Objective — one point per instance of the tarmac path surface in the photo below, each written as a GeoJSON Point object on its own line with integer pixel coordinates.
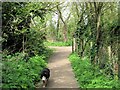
{"type": "Point", "coordinates": [62, 75]}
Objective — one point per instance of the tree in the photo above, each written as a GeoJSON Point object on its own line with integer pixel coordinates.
{"type": "Point", "coordinates": [97, 33]}
{"type": "Point", "coordinates": [17, 20]}
{"type": "Point", "coordinates": [64, 22]}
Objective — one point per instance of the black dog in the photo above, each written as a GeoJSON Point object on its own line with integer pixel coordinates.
{"type": "Point", "coordinates": [45, 74]}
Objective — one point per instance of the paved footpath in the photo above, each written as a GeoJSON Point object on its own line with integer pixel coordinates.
{"type": "Point", "coordinates": [62, 75]}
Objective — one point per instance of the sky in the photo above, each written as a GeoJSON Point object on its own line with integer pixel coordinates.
{"type": "Point", "coordinates": [65, 12]}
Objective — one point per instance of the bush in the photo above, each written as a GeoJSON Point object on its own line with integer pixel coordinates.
{"type": "Point", "coordinates": [17, 73]}
{"type": "Point", "coordinates": [89, 76]}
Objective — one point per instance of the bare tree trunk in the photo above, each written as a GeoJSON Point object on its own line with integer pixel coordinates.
{"type": "Point", "coordinates": [64, 23]}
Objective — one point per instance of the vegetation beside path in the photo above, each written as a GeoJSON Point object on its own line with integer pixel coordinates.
{"type": "Point", "coordinates": [19, 72]}
{"type": "Point", "coordinates": [58, 43]}
{"type": "Point", "coordinates": [89, 76]}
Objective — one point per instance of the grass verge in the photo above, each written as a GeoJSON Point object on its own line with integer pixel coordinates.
{"type": "Point", "coordinates": [58, 43]}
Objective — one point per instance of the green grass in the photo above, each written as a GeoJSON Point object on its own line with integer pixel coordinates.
{"type": "Point", "coordinates": [89, 76]}
{"type": "Point", "coordinates": [58, 43]}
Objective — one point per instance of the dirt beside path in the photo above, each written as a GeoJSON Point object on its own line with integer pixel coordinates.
{"type": "Point", "coordinates": [62, 75]}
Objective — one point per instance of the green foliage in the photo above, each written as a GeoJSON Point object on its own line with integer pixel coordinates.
{"type": "Point", "coordinates": [58, 43]}
{"type": "Point", "coordinates": [46, 53]}
{"type": "Point", "coordinates": [17, 19]}
{"type": "Point", "coordinates": [89, 76]}
{"type": "Point", "coordinates": [21, 25]}
{"type": "Point", "coordinates": [17, 73]}
{"type": "Point", "coordinates": [35, 39]}
{"type": "Point", "coordinates": [96, 34]}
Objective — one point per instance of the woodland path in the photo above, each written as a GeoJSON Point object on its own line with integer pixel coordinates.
{"type": "Point", "coordinates": [62, 75]}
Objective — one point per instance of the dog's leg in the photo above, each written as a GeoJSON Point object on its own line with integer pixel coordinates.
{"type": "Point", "coordinates": [44, 83]}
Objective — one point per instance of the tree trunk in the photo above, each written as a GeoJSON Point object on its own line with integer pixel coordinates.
{"type": "Point", "coordinates": [98, 8]}
{"type": "Point", "coordinates": [23, 44]}
{"type": "Point", "coordinates": [65, 32]}
{"type": "Point", "coordinates": [64, 24]}
{"type": "Point", "coordinates": [58, 24]}
{"type": "Point", "coordinates": [118, 43]}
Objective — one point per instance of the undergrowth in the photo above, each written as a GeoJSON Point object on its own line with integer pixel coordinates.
{"type": "Point", "coordinates": [89, 76]}
{"type": "Point", "coordinates": [18, 72]}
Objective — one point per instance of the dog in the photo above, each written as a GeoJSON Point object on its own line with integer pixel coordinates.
{"type": "Point", "coordinates": [45, 74]}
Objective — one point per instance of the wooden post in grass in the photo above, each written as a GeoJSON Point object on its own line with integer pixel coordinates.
{"type": "Point", "coordinates": [73, 43]}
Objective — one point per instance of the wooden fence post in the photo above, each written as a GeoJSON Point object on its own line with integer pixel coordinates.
{"type": "Point", "coordinates": [73, 43]}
